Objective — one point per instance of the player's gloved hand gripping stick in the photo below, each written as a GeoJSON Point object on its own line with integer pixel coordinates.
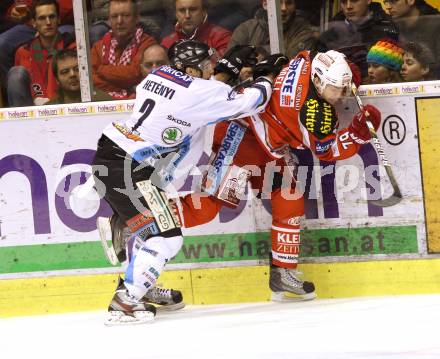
{"type": "Point", "coordinates": [396, 197]}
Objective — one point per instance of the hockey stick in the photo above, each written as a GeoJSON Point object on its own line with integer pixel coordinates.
{"type": "Point", "coordinates": [105, 234]}
{"type": "Point", "coordinates": [396, 197]}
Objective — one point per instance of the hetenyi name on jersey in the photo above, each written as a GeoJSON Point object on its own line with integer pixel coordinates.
{"type": "Point", "coordinates": [159, 89]}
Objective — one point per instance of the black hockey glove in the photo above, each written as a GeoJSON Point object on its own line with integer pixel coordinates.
{"type": "Point", "coordinates": [271, 65]}
{"type": "Point", "coordinates": [235, 59]}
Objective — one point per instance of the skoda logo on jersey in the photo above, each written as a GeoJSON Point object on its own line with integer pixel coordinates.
{"type": "Point", "coordinates": [171, 135]}
{"type": "Point", "coordinates": [179, 122]}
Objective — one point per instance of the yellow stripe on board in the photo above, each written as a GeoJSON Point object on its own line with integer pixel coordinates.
{"type": "Point", "coordinates": [20, 297]}
{"type": "Point", "coordinates": [428, 115]}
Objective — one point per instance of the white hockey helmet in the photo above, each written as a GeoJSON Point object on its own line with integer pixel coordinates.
{"type": "Point", "coordinates": [331, 68]}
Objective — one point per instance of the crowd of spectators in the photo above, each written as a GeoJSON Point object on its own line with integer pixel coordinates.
{"type": "Point", "coordinates": [391, 41]}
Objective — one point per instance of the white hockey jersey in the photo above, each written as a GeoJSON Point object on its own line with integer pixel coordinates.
{"type": "Point", "coordinates": [172, 106]}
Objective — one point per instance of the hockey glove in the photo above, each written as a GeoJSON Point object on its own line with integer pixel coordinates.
{"type": "Point", "coordinates": [235, 59]}
{"type": "Point", "coordinates": [271, 65]}
{"type": "Point", "coordinates": [358, 126]}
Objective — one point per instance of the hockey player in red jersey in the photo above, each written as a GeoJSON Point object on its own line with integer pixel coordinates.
{"type": "Point", "coordinates": [299, 115]}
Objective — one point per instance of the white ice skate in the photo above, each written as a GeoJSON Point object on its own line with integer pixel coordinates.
{"type": "Point", "coordinates": [287, 286]}
{"type": "Point", "coordinates": [165, 299]}
{"type": "Point", "coordinates": [124, 309]}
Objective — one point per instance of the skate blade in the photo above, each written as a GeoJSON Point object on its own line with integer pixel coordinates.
{"type": "Point", "coordinates": [285, 297]}
{"type": "Point", "coordinates": [120, 318]}
{"type": "Point", "coordinates": [105, 234]}
{"type": "Point", "coordinates": [170, 307]}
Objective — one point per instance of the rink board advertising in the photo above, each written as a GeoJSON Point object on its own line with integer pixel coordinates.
{"type": "Point", "coordinates": [48, 207]}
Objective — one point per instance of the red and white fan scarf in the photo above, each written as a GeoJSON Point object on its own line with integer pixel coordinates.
{"type": "Point", "coordinates": [109, 55]}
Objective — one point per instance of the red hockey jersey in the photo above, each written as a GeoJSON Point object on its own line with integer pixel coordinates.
{"type": "Point", "coordinates": [297, 117]}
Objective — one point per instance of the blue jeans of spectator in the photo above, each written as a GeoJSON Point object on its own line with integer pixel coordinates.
{"type": "Point", "coordinates": [19, 87]}
{"type": "Point", "coordinates": [9, 42]}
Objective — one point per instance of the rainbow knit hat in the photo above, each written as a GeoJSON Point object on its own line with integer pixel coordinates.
{"type": "Point", "coordinates": [386, 52]}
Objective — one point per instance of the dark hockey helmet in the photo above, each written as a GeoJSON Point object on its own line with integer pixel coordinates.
{"type": "Point", "coordinates": [189, 53]}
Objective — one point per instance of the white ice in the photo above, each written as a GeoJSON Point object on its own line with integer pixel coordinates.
{"type": "Point", "coordinates": [401, 327]}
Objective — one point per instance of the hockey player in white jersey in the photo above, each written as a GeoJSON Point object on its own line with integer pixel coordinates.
{"type": "Point", "coordinates": [136, 160]}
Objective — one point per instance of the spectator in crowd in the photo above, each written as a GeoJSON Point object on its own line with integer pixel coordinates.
{"type": "Point", "coordinates": [31, 80]}
{"type": "Point", "coordinates": [384, 60]}
{"type": "Point", "coordinates": [352, 31]}
{"type": "Point", "coordinates": [152, 58]}
{"type": "Point", "coordinates": [151, 17]}
{"type": "Point", "coordinates": [298, 33]}
{"type": "Point", "coordinates": [116, 57]}
{"type": "Point", "coordinates": [192, 24]}
{"type": "Point", "coordinates": [66, 71]}
{"type": "Point", "coordinates": [418, 22]}
{"type": "Point", "coordinates": [21, 30]}
{"type": "Point", "coordinates": [418, 62]}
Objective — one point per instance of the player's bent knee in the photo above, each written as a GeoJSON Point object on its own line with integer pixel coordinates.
{"type": "Point", "coordinates": [165, 247]}
{"type": "Point", "coordinates": [198, 209]}
{"type": "Point", "coordinates": [174, 245]}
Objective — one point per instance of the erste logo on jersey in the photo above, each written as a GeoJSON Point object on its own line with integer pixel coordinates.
{"type": "Point", "coordinates": [290, 95]}
{"type": "Point", "coordinates": [171, 135]}
{"type": "Point", "coordinates": [174, 75]}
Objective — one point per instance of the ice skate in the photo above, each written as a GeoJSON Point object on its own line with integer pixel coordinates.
{"type": "Point", "coordinates": [282, 281]}
{"type": "Point", "coordinates": [124, 309]}
{"type": "Point", "coordinates": [112, 229]}
{"type": "Point", "coordinates": [165, 299]}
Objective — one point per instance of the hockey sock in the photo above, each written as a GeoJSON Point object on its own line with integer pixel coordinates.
{"type": "Point", "coordinates": [148, 262]}
{"type": "Point", "coordinates": [285, 245]}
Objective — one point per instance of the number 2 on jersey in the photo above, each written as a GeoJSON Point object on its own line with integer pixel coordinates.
{"type": "Point", "coordinates": [145, 109]}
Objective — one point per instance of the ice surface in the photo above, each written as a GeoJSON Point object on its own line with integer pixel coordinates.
{"type": "Point", "coordinates": [401, 327]}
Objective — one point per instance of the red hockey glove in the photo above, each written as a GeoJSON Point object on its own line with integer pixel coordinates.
{"type": "Point", "coordinates": [358, 126]}
{"type": "Point", "coordinates": [357, 77]}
